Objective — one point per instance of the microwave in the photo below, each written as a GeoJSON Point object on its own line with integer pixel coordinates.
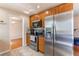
{"type": "Point", "coordinates": [37, 24]}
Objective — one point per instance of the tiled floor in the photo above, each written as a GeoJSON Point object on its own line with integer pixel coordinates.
{"type": "Point", "coordinates": [23, 51]}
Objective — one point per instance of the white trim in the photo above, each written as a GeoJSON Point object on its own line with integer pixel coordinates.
{"type": "Point", "coordinates": [73, 30]}
{"type": "Point", "coordinates": [23, 33]}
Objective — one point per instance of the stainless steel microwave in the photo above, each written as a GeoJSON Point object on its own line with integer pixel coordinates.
{"type": "Point", "coordinates": [37, 24]}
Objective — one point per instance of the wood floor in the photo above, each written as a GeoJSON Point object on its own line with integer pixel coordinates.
{"type": "Point", "coordinates": [15, 43]}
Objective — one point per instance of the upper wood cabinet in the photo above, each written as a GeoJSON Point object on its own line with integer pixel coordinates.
{"type": "Point", "coordinates": [55, 10]}
{"type": "Point", "coordinates": [63, 8]}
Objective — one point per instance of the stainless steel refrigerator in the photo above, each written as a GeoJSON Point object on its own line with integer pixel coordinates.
{"type": "Point", "coordinates": [59, 34]}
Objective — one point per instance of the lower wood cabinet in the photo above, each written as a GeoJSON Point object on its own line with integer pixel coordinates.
{"type": "Point", "coordinates": [27, 39]}
{"type": "Point", "coordinates": [41, 44]}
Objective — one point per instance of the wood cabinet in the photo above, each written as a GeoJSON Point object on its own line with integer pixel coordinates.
{"type": "Point", "coordinates": [16, 43]}
{"type": "Point", "coordinates": [27, 39]}
{"type": "Point", "coordinates": [52, 11]}
{"type": "Point", "coordinates": [41, 44]}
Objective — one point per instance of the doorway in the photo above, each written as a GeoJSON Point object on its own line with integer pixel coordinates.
{"type": "Point", "coordinates": [16, 30]}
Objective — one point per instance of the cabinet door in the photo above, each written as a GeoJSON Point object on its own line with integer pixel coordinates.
{"type": "Point", "coordinates": [27, 39]}
{"type": "Point", "coordinates": [41, 44]}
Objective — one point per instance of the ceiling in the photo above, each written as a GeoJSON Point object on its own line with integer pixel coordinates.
{"type": "Point", "coordinates": [28, 8]}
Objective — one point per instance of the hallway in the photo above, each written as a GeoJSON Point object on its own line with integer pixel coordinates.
{"type": "Point", "coordinates": [23, 51]}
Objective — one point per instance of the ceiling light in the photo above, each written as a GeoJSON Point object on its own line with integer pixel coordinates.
{"type": "Point", "coordinates": [38, 6]}
{"type": "Point", "coordinates": [14, 18]}
{"type": "Point", "coordinates": [47, 12]}
{"type": "Point", "coordinates": [13, 22]}
{"type": "Point", "coordinates": [27, 12]}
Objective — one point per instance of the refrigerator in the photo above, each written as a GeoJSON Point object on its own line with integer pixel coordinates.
{"type": "Point", "coordinates": [59, 34]}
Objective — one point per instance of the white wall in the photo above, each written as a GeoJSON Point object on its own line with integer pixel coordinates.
{"type": "Point", "coordinates": [15, 29]}
{"type": "Point", "coordinates": [76, 19]}
{"type": "Point", "coordinates": [4, 31]}
{"type": "Point", "coordinates": [76, 25]}
{"type": "Point", "coordinates": [10, 31]}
